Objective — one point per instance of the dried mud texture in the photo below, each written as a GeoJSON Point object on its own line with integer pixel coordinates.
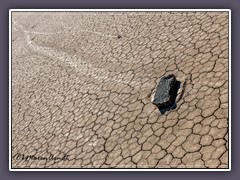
{"type": "Point", "coordinates": [82, 86]}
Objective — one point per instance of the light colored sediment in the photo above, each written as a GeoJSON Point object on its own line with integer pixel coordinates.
{"type": "Point", "coordinates": [78, 89]}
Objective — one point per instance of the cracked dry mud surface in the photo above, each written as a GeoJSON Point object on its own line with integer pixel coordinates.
{"type": "Point", "coordinates": [82, 86]}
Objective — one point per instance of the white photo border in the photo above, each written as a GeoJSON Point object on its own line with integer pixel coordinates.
{"type": "Point", "coordinates": [119, 10]}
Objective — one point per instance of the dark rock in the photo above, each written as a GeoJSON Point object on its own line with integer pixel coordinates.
{"type": "Point", "coordinates": [119, 36]}
{"type": "Point", "coordinates": [166, 92]}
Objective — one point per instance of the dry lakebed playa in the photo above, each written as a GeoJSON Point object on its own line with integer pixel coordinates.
{"type": "Point", "coordinates": [120, 90]}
